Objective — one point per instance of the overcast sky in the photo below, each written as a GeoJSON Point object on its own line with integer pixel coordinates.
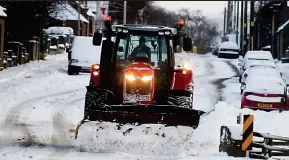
{"type": "Point", "coordinates": [207, 7]}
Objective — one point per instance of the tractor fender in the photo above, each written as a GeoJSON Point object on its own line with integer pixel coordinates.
{"type": "Point", "coordinates": [95, 75]}
{"type": "Point", "coordinates": [182, 78]}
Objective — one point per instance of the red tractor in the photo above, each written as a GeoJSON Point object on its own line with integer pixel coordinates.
{"type": "Point", "coordinates": [137, 81]}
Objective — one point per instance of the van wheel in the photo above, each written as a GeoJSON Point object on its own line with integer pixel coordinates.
{"type": "Point", "coordinates": [70, 71]}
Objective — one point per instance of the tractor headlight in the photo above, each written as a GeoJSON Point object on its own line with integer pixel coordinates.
{"type": "Point", "coordinates": [147, 78]}
{"type": "Point", "coordinates": [130, 77]}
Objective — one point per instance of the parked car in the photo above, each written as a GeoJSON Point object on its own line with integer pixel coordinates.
{"type": "Point", "coordinates": [263, 93]}
{"type": "Point", "coordinates": [258, 71]}
{"type": "Point", "coordinates": [230, 49]}
{"type": "Point", "coordinates": [215, 49]}
{"type": "Point", "coordinates": [252, 56]}
{"type": "Point", "coordinates": [83, 55]}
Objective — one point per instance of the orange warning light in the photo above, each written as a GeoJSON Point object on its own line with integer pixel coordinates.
{"type": "Point", "coordinates": [107, 18]}
{"type": "Point", "coordinates": [181, 22]}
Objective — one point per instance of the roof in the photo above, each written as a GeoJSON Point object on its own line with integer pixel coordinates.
{"type": "Point", "coordinates": [66, 12]}
{"type": "Point", "coordinates": [2, 12]}
{"type": "Point", "coordinates": [263, 84]}
{"type": "Point", "coordinates": [151, 28]}
{"type": "Point", "coordinates": [258, 54]}
{"type": "Point", "coordinates": [228, 44]}
{"type": "Point", "coordinates": [59, 31]}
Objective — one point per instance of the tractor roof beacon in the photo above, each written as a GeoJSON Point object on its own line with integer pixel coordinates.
{"type": "Point", "coordinates": [141, 89]}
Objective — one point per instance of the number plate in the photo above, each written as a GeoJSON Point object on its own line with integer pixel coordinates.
{"type": "Point", "coordinates": [133, 97]}
{"type": "Point", "coordinates": [264, 105]}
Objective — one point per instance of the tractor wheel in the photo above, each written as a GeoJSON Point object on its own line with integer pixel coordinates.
{"type": "Point", "coordinates": [95, 99]}
{"type": "Point", "coordinates": [182, 99]}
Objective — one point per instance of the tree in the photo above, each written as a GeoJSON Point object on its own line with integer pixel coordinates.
{"type": "Point", "coordinates": [25, 19]}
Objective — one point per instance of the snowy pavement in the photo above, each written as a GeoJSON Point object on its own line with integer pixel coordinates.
{"type": "Point", "coordinates": [41, 106]}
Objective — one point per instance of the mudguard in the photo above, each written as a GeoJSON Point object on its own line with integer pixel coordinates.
{"type": "Point", "coordinates": [182, 78]}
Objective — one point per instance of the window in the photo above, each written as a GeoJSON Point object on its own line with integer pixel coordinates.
{"type": "Point", "coordinates": [151, 49]}
{"type": "Point", "coordinates": [164, 50]}
{"type": "Point", "coordinates": [121, 49]}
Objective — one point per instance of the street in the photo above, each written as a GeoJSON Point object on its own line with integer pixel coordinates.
{"type": "Point", "coordinates": [42, 106]}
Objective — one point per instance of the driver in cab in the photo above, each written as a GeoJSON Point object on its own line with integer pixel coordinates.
{"type": "Point", "coordinates": [142, 48]}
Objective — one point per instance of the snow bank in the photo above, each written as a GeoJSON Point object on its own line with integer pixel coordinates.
{"type": "Point", "coordinates": [262, 119]}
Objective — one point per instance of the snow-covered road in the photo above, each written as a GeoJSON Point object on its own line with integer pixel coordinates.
{"type": "Point", "coordinates": [41, 105]}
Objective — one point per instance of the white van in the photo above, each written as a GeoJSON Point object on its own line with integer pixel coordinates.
{"type": "Point", "coordinates": [83, 55]}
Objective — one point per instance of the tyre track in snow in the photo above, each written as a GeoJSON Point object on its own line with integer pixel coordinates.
{"type": "Point", "coordinates": [14, 114]}
{"type": "Point", "coordinates": [211, 80]}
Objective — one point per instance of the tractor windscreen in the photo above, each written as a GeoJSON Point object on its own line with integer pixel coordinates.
{"type": "Point", "coordinates": [155, 47]}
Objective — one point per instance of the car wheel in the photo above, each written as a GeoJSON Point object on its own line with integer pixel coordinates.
{"type": "Point", "coordinates": [242, 91]}
{"type": "Point", "coordinates": [240, 78]}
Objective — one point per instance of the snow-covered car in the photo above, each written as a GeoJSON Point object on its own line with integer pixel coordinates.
{"type": "Point", "coordinates": [258, 71]}
{"type": "Point", "coordinates": [253, 56]}
{"type": "Point", "coordinates": [83, 55]}
{"type": "Point", "coordinates": [215, 49]}
{"type": "Point", "coordinates": [263, 93]}
{"type": "Point", "coordinates": [230, 49]}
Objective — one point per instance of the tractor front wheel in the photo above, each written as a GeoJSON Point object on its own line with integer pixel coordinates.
{"type": "Point", "coordinates": [95, 99]}
{"type": "Point", "coordinates": [181, 98]}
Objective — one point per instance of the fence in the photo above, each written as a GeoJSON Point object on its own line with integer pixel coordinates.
{"type": "Point", "coordinates": [260, 145]}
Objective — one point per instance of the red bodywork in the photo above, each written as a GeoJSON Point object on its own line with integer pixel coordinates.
{"type": "Point", "coordinates": [182, 78]}
{"type": "Point", "coordinates": [254, 104]}
{"type": "Point", "coordinates": [94, 75]}
{"type": "Point", "coordinates": [143, 74]}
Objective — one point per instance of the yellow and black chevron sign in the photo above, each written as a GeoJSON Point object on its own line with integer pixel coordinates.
{"type": "Point", "coordinates": [247, 132]}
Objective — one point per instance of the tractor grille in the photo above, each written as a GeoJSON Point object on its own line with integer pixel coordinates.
{"type": "Point", "coordinates": [138, 87]}
{"type": "Point", "coordinates": [137, 91]}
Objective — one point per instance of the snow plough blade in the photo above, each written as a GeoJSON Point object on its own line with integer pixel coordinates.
{"type": "Point", "coordinates": [168, 115]}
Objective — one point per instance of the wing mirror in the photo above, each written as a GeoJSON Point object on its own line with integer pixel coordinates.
{"type": "Point", "coordinates": [97, 38]}
{"type": "Point", "coordinates": [243, 86]}
{"type": "Point", "coordinates": [187, 44]}
{"type": "Point", "coordinates": [120, 49]}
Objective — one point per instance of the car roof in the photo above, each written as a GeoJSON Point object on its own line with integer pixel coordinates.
{"type": "Point", "coordinates": [263, 71]}
{"type": "Point", "coordinates": [255, 63]}
{"type": "Point", "coordinates": [261, 84]}
{"type": "Point", "coordinates": [229, 44]}
{"type": "Point", "coordinates": [258, 54]}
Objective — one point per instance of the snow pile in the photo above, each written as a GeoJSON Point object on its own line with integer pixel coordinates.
{"type": "Point", "coordinates": [149, 139]}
